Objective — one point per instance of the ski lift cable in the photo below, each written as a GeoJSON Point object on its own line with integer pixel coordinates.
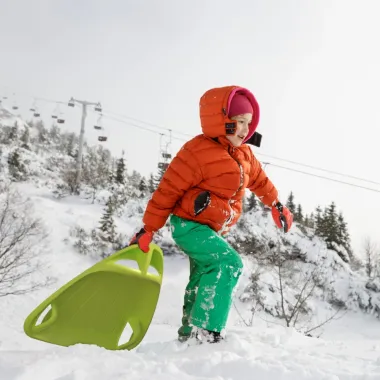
{"type": "Point", "coordinates": [318, 168]}
{"type": "Point", "coordinates": [323, 177]}
{"type": "Point", "coordinates": [147, 123]}
{"type": "Point", "coordinates": [131, 124]}
{"type": "Point", "coordinates": [51, 100]}
{"type": "Point", "coordinates": [144, 128]}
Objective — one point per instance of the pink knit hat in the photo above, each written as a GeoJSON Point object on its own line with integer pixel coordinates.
{"type": "Point", "coordinates": [240, 104]}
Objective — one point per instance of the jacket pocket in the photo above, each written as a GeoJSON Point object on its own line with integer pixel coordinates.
{"type": "Point", "coordinates": [201, 202]}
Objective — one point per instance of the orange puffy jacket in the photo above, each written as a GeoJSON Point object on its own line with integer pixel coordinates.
{"type": "Point", "coordinates": [205, 181]}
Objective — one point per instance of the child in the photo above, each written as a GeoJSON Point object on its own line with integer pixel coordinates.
{"type": "Point", "coordinates": [202, 189]}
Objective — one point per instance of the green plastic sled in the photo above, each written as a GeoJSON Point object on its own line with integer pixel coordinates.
{"type": "Point", "coordinates": [96, 306]}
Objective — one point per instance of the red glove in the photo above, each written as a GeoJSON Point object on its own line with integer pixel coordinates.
{"type": "Point", "coordinates": [282, 216]}
{"type": "Point", "coordinates": [142, 238]}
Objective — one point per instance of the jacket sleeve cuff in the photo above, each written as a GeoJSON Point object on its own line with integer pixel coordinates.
{"type": "Point", "coordinates": [149, 229]}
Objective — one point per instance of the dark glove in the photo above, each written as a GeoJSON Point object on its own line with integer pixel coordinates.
{"type": "Point", "coordinates": [143, 239]}
{"type": "Point", "coordinates": [282, 216]}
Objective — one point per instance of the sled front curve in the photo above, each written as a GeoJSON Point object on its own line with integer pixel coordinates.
{"type": "Point", "coordinates": [96, 306]}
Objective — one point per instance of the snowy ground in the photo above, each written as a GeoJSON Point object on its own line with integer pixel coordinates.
{"type": "Point", "coordinates": [348, 349]}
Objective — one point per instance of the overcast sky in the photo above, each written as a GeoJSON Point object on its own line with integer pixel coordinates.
{"type": "Point", "coordinates": [313, 66]}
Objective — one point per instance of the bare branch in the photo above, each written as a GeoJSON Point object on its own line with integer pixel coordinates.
{"type": "Point", "coordinates": [372, 257]}
{"type": "Point", "coordinates": [21, 238]}
{"type": "Point", "coordinates": [333, 316]}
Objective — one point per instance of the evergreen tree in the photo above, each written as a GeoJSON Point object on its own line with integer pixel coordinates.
{"type": "Point", "coordinates": [135, 179]}
{"type": "Point", "coordinates": [25, 139]}
{"type": "Point", "coordinates": [298, 215]}
{"type": "Point", "coordinates": [107, 223]}
{"type": "Point", "coordinates": [120, 170]}
{"type": "Point", "coordinates": [290, 203]}
{"type": "Point", "coordinates": [112, 172]}
{"type": "Point", "coordinates": [42, 132]}
{"type": "Point", "coordinates": [330, 226]}
{"type": "Point", "coordinates": [70, 148]}
{"type": "Point", "coordinates": [306, 221]}
{"type": "Point", "coordinates": [143, 187]}
{"type": "Point", "coordinates": [311, 221]}
{"type": "Point", "coordinates": [318, 221]}
{"type": "Point", "coordinates": [151, 184]}
{"type": "Point", "coordinates": [343, 234]}
{"type": "Point", "coordinates": [54, 134]}
{"type": "Point", "coordinates": [160, 174]}
{"type": "Point", "coordinates": [13, 133]}
{"type": "Point", "coordinates": [95, 169]}
{"type": "Point", "coordinates": [15, 166]}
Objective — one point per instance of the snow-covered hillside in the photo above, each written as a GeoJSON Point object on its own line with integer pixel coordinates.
{"type": "Point", "coordinates": [315, 282]}
{"type": "Point", "coordinates": [8, 118]}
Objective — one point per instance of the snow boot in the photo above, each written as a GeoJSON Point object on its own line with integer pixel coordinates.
{"type": "Point", "coordinates": [207, 336]}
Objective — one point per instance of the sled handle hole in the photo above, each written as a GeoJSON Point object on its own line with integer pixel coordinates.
{"type": "Point", "coordinates": [126, 335]}
{"type": "Point", "coordinates": [46, 313]}
{"type": "Point", "coordinates": [132, 264]}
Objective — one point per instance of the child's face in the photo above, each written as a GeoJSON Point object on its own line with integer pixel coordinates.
{"type": "Point", "coordinates": [243, 122]}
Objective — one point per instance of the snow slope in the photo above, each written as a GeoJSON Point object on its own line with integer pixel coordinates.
{"type": "Point", "coordinates": [349, 348]}
{"type": "Point", "coordinates": [8, 118]}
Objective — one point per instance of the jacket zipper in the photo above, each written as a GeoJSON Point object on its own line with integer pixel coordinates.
{"type": "Point", "coordinates": [225, 224]}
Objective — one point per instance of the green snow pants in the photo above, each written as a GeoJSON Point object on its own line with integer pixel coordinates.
{"type": "Point", "coordinates": [215, 268]}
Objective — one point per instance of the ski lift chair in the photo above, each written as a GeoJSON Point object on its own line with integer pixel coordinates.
{"type": "Point", "coordinates": [102, 138]}
{"type": "Point", "coordinates": [99, 123]}
{"type": "Point", "coordinates": [166, 155]}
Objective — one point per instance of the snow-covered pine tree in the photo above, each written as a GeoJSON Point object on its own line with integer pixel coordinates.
{"type": "Point", "coordinates": [96, 168]}
{"type": "Point", "coordinates": [134, 181]}
{"type": "Point", "coordinates": [120, 170]}
{"type": "Point", "coordinates": [25, 139]}
{"type": "Point", "coordinates": [143, 187]}
{"type": "Point", "coordinates": [331, 230]}
{"type": "Point", "coordinates": [70, 147]}
{"type": "Point", "coordinates": [13, 132]}
{"type": "Point", "coordinates": [298, 215]}
{"type": "Point", "coordinates": [54, 134]}
{"type": "Point", "coordinates": [107, 224]}
{"type": "Point", "coordinates": [311, 223]}
{"type": "Point", "coordinates": [318, 221]}
{"type": "Point", "coordinates": [344, 238]}
{"type": "Point", "coordinates": [158, 177]}
{"type": "Point", "coordinates": [16, 167]}
{"type": "Point", "coordinates": [42, 136]}
{"type": "Point", "coordinates": [151, 183]}
{"type": "Point", "coordinates": [290, 203]}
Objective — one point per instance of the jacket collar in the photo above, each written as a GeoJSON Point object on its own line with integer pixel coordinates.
{"type": "Point", "coordinates": [223, 140]}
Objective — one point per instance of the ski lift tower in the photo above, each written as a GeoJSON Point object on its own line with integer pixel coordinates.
{"type": "Point", "coordinates": [84, 105]}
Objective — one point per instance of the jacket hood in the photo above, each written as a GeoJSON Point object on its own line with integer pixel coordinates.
{"type": "Point", "coordinates": [214, 105]}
